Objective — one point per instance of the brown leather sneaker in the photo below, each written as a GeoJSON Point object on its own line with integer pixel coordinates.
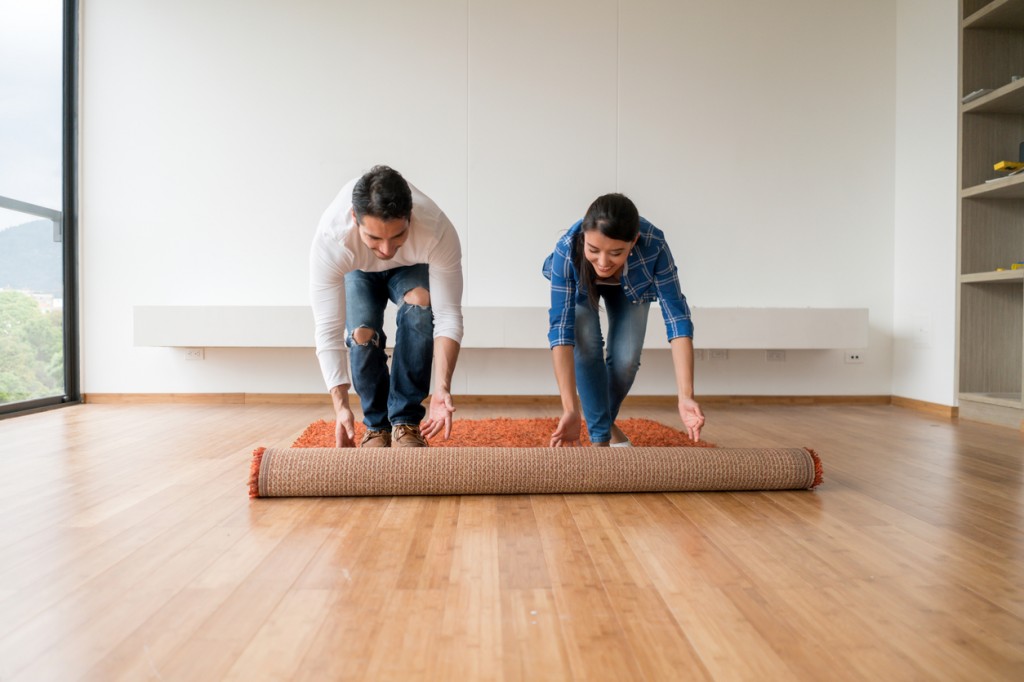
{"type": "Point", "coordinates": [409, 436]}
{"type": "Point", "coordinates": [375, 439]}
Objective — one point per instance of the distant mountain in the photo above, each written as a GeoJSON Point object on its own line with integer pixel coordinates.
{"type": "Point", "coordinates": [30, 259]}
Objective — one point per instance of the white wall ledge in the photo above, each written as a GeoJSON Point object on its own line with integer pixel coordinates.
{"type": "Point", "coordinates": [501, 327]}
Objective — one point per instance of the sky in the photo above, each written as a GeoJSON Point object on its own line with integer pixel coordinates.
{"type": "Point", "coordinates": [30, 105]}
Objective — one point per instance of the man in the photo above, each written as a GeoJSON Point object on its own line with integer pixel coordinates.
{"type": "Point", "coordinates": [383, 239]}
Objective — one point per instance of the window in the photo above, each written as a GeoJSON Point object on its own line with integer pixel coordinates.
{"type": "Point", "coordinates": [38, 314]}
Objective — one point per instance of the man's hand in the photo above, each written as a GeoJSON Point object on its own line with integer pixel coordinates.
{"type": "Point", "coordinates": [568, 430]}
{"type": "Point", "coordinates": [693, 418]}
{"type": "Point", "coordinates": [344, 428]}
{"type": "Point", "coordinates": [439, 416]}
{"type": "Point", "coordinates": [344, 421]}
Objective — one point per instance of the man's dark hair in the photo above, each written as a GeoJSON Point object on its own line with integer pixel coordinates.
{"type": "Point", "coordinates": [382, 193]}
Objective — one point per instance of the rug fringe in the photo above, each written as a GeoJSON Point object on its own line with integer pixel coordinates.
{"type": "Point", "coordinates": [254, 472]}
{"type": "Point", "coordinates": [819, 471]}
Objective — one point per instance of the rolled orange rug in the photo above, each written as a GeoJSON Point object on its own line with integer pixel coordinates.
{"type": "Point", "coordinates": [325, 472]}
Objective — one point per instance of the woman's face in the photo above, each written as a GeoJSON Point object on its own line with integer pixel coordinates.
{"type": "Point", "coordinates": [607, 255]}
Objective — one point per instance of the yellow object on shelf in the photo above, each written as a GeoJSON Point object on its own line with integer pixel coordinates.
{"type": "Point", "coordinates": [1008, 165]}
{"type": "Point", "coordinates": [1017, 266]}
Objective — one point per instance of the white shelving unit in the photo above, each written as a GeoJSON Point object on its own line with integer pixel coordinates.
{"type": "Point", "coordinates": [991, 213]}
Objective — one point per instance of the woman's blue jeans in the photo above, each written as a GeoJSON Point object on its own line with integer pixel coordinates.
{"type": "Point", "coordinates": [603, 380]}
{"type": "Point", "coordinates": [390, 398]}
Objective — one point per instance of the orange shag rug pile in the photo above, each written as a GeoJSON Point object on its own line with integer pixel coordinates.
{"type": "Point", "coordinates": [514, 433]}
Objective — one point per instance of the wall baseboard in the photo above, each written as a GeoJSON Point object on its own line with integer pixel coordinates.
{"type": "Point", "coordinates": [793, 399]}
{"type": "Point", "coordinates": [947, 411]}
{"type": "Point", "coordinates": [210, 398]}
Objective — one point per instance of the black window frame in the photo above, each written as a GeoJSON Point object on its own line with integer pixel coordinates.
{"type": "Point", "coordinates": [69, 225]}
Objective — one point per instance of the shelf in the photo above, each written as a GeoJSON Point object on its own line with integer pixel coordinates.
{"type": "Point", "coordinates": [1006, 276]}
{"type": "Point", "coordinates": [1001, 399]}
{"type": "Point", "coordinates": [994, 408]}
{"type": "Point", "coordinates": [997, 14]}
{"type": "Point", "coordinates": [1008, 99]}
{"type": "Point", "coordinates": [1004, 188]}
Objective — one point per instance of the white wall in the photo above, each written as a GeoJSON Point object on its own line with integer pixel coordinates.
{"type": "Point", "coordinates": [925, 232]}
{"type": "Point", "coordinates": [760, 136]}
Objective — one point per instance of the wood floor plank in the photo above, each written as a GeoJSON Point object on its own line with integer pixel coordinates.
{"type": "Point", "coordinates": [661, 648]}
{"type": "Point", "coordinates": [521, 562]}
{"type": "Point", "coordinates": [367, 573]}
{"type": "Point", "coordinates": [693, 577]}
{"type": "Point", "coordinates": [49, 610]}
{"type": "Point", "coordinates": [533, 647]}
{"type": "Point", "coordinates": [60, 642]}
{"type": "Point", "coordinates": [143, 653]}
{"type": "Point", "coordinates": [150, 648]}
{"type": "Point", "coordinates": [280, 644]}
{"type": "Point", "coordinates": [351, 520]}
{"type": "Point", "coordinates": [221, 639]}
{"type": "Point", "coordinates": [821, 639]}
{"type": "Point", "coordinates": [941, 648]}
{"type": "Point", "coordinates": [72, 556]}
{"type": "Point", "coordinates": [594, 635]}
{"type": "Point", "coordinates": [470, 626]}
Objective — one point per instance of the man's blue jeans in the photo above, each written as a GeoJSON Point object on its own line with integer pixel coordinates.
{"type": "Point", "coordinates": [395, 398]}
{"type": "Point", "coordinates": [604, 381]}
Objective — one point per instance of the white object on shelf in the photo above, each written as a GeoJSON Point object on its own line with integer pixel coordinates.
{"type": "Point", "coordinates": [971, 96]}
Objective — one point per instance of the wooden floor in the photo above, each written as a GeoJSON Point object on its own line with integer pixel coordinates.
{"type": "Point", "coordinates": [129, 551]}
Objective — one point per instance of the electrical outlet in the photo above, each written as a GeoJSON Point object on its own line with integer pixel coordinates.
{"type": "Point", "coordinates": [775, 356]}
{"type": "Point", "coordinates": [853, 357]}
{"type": "Point", "coordinates": [195, 353]}
{"type": "Point", "coordinates": [719, 354]}
{"type": "Point", "coordinates": [921, 330]}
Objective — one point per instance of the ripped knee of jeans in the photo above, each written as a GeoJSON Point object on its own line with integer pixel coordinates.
{"type": "Point", "coordinates": [364, 336]}
{"type": "Point", "coordinates": [418, 297]}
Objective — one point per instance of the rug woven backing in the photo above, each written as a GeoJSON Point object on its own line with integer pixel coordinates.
{"type": "Point", "coordinates": [321, 472]}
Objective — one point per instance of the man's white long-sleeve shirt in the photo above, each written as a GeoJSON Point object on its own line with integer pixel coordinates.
{"type": "Point", "coordinates": [337, 250]}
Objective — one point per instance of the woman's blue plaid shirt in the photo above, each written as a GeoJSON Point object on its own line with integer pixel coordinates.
{"type": "Point", "coordinates": [649, 275]}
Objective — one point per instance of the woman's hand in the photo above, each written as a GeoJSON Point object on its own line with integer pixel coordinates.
{"type": "Point", "coordinates": [439, 417]}
{"type": "Point", "coordinates": [568, 430]}
{"type": "Point", "coordinates": [693, 418]}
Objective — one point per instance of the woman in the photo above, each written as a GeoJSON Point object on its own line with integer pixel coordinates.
{"type": "Point", "coordinates": [615, 255]}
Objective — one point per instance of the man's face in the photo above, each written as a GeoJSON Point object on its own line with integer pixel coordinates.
{"type": "Point", "coordinates": [383, 237]}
